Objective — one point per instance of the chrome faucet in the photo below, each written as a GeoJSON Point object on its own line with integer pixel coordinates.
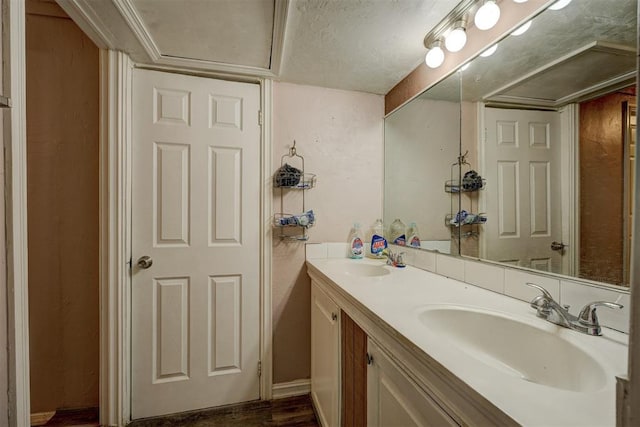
{"type": "Point", "coordinates": [586, 321]}
{"type": "Point", "coordinates": [395, 259]}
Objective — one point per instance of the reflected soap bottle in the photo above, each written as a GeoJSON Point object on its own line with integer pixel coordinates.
{"type": "Point", "coordinates": [413, 237]}
{"type": "Point", "coordinates": [397, 233]}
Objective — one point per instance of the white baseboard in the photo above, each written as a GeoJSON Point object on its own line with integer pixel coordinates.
{"type": "Point", "coordinates": [291, 388]}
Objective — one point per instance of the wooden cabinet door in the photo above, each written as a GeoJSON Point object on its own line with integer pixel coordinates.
{"type": "Point", "coordinates": [325, 357]}
{"type": "Point", "coordinates": [395, 400]}
{"type": "Point", "coordinates": [354, 373]}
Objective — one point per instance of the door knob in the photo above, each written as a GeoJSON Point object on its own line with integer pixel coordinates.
{"type": "Point", "coordinates": [558, 246]}
{"type": "Point", "coordinates": [145, 262]}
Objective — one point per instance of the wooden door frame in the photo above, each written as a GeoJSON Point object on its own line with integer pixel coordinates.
{"type": "Point", "coordinates": [116, 72]}
{"type": "Point", "coordinates": [15, 177]}
{"type": "Point", "coordinates": [570, 186]}
{"type": "Point", "coordinates": [629, 110]}
{"type": "Point", "coordinates": [115, 235]}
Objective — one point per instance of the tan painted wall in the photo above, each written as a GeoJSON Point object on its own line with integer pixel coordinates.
{"type": "Point", "coordinates": [601, 188]}
{"type": "Point", "coordinates": [62, 174]}
{"type": "Point", "coordinates": [340, 134]}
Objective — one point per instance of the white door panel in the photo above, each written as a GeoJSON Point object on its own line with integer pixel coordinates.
{"type": "Point", "coordinates": [523, 195]}
{"type": "Point", "coordinates": [195, 313]}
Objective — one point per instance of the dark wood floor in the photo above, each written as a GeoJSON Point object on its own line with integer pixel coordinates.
{"type": "Point", "coordinates": [74, 417]}
{"type": "Point", "coordinates": [290, 412]}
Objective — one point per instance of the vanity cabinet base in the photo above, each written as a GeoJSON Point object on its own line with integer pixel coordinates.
{"type": "Point", "coordinates": [393, 399]}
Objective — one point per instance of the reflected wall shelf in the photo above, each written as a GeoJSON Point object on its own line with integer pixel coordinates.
{"type": "Point", "coordinates": [470, 183]}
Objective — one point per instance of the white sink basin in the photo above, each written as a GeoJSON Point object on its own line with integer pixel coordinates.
{"type": "Point", "coordinates": [366, 270]}
{"type": "Point", "coordinates": [516, 348]}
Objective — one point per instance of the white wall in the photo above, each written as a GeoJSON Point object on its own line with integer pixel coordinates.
{"type": "Point", "coordinates": [340, 135]}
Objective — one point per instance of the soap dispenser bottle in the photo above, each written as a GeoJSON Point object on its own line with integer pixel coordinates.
{"type": "Point", "coordinates": [356, 246]}
{"type": "Point", "coordinates": [413, 237]}
{"type": "Point", "coordinates": [378, 242]}
{"type": "Point", "coordinates": [397, 233]}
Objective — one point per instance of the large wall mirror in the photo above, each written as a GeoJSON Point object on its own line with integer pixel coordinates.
{"type": "Point", "coordinates": [546, 125]}
{"type": "Point", "coordinates": [421, 144]}
{"type": "Point", "coordinates": [555, 107]}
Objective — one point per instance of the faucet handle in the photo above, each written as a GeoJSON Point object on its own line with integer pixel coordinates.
{"type": "Point", "coordinates": [588, 314]}
{"type": "Point", "coordinates": [541, 303]}
{"type": "Point", "coordinates": [545, 293]}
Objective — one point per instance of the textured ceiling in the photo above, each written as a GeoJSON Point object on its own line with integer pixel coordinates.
{"type": "Point", "coordinates": [229, 31]}
{"type": "Point", "coordinates": [360, 45]}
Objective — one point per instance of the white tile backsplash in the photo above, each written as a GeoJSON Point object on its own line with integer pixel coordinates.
{"type": "Point", "coordinates": [577, 295]}
{"type": "Point", "coordinates": [485, 275]}
{"type": "Point", "coordinates": [337, 250]}
{"type": "Point", "coordinates": [316, 250]}
{"type": "Point", "coordinates": [449, 266]}
{"type": "Point", "coordinates": [514, 285]}
{"type": "Point", "coordinates": [424, 260]}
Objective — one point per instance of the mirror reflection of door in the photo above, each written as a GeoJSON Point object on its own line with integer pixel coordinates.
{"type": "Point", "coordinates": [607, 124]}
{"type": "Point", "coordinates": [521, 157]}
{"type": "Point", "coordinates": [523, 193]}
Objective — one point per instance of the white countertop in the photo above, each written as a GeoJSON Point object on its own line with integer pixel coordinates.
{"type": "Point", "coordinates": [398, 298]}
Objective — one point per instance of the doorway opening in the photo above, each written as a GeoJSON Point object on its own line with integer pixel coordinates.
{"type": "Point", "coordinates": [62, 83]}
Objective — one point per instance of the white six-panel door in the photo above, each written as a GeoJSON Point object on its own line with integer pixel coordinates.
{"type": "Point", "coordinates": [195, 197]}
{"type": "Point", "coordinates": [522, 198]}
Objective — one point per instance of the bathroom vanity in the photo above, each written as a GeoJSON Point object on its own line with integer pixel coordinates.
{"type": "Point", "coordinates": [443, 352]}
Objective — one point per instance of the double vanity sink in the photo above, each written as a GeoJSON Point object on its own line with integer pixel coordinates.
{"type": "Point", "coordinates": [531, 370]}
{"type": "Point", "coordinates": [513, 347]}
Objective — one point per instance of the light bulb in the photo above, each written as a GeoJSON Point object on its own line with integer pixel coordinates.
{"type": "Point", "coordinates": [520, 1]}
{"type": "Point", "coordinates": [435, 56]}
{"type": "Point", "coordinates": [559, 4]}
{"type": "Point", "coordinates": [490, 51]}
{"type": "Point", "coordinates": [456, 39]}
{"type": "Point", "coordinates": [487, 16]}
{"type": "Point", "coordinates": [522, 29]}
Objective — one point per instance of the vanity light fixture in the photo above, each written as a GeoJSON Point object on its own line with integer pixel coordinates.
{"type": "Point", "coordinates": [457, 37]}
{"type": "Point", "coordinates": [490, 51]}
{"type": "Point", "coordinates": [522, 29]}
{"type": "Point", "coordinates": [487, 15]}
{"type": "Point", "coordinates": [560, 4]}
{"type": "Point", "coordinates": [435, 55]}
